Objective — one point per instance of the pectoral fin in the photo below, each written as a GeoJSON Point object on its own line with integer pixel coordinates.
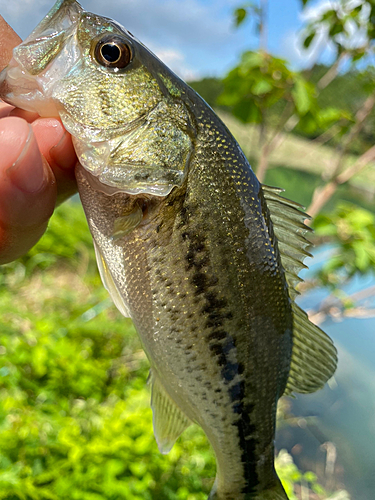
{"type": "Point", "coordinates": [125, 224]}
{"type": "Point", "coordinates": [168, 420]}
{"type": "Point", "coordinates": [109, 284]}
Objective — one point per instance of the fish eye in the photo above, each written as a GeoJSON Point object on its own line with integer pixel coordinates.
{"type": "Point", "coordinates": [112, 52]}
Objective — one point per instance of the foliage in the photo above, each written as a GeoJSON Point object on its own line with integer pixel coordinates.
{"type": "Point", "coordinates": [333, 102]}
{"type": "Point", "coordinates": [259, 81]}
{"type": "Point", "coordinates": [262, 89]}
{"type": "Point", "coordinates": [248, 9]}
{"type": "Point", "coordinates": [209, 89]}
{"type": "Point", "coordinates": [335, 96]}
{"type": "Point", "coordinates": [341, 21]}
{"type": "Point", "coordinates": [290, 476]}
{"type": "Point", "coordinates": [352, 232]}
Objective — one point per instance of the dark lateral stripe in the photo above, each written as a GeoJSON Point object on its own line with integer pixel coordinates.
{"type": "Point", "coordinates": [221, 344]}
{"type": "Point", "coordinates": [246, 430]}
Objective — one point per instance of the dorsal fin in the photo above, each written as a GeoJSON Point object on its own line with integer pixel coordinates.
{"type": "Point", "coordinates": [288, 220]}
{"type": "Point", "coordinates": [314, 357]}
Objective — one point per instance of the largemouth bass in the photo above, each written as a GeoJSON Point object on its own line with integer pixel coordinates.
{"type": "Point", "coordinates": [203, 258]}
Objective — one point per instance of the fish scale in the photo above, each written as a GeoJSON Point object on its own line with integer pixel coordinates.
{"type": "Point", "coordinates": [203, 258]}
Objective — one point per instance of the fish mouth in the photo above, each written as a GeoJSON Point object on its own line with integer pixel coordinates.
{"type": "Point", "coordinates": [64, 14]}
{"type": "Point", "coordinates": [27, 80]}
{"type": "Point", "coordinates": [138, 157]}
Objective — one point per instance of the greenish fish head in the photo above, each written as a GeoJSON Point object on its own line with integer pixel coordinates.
{"type": "Point", "coordinates": [124, 108]}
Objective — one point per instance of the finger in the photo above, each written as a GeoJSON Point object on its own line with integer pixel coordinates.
{"type": "Point", "coordinates": [57, 148]}
{"type": "Point", "coordinates": [29, 116]}
{"type": "Point", "coordinates": [5, 109]}
{"type": "Point", "coordinates": [27, 189]}
{"type": "Point", "coordinates": [8, 40]}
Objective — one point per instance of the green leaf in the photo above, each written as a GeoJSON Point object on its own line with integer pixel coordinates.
{"type": "Point", "coordinates": [308, 40]}
{"type": "Point", "coordinates": [239, 16]}
{"type": "Point", "coordinates": [251, 60]}
{"type": "Point", "coordinates": [39, 359]}
{"type": "Point", "coordinates": [362, 258]}
{"type": "Point", "coordinates": [301, 96]}
{"type": "Point", "coordinates": [336, 28]}
{"type": "Point", "coordinates": [261, 87]}
{"type": "Point", "coordinates": [331, 115]}
{"type": "Point", "coordinates": [247, 112]}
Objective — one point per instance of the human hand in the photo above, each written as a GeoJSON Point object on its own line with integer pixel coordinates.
{"type": "Point", "coordinates": [37, 163]}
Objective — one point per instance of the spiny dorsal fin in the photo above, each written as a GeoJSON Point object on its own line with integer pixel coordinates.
{"type": "Point", "coordinates": [288, 223]}
{"type": "Point", "coordinates": [314, 357]}
{"type": "Point", "coordinates": [168, 420]}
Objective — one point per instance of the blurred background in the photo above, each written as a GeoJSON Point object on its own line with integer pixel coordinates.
{"type": "Point", "coordinates": [294, 82]}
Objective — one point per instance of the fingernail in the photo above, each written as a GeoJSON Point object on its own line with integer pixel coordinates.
{"type": "Point", "coordinates": [63, 153]}
{"type": "Point", "coordinates": [28, 172]}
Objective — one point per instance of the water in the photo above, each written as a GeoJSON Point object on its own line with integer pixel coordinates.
{"type": "Point", "coordinates": [341, 417]}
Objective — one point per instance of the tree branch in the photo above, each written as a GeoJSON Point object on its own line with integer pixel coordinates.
{"type": "Point", "coordinates": [331, 74]}
{"type": "Point", "coordinates": [323, 194]}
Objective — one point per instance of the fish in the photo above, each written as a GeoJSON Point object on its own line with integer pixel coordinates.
{"type": "Point", "coordinates": [189, 244]}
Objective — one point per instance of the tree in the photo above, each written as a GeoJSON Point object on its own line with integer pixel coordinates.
{"type": "Point", "coordinates": [339, 23]}
{"type": "Point", "coordinates": [262, 82]}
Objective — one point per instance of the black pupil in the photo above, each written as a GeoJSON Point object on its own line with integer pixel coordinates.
{"type": "Point", "coordinates": [110, 52]}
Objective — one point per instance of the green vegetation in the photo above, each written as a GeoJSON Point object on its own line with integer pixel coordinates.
{"type": "Point", "coordinates": [307, 160]}
{"type": "Point", "coordinates": [352, 231]}
{"type": "Point", "coordinates": [346, 92]}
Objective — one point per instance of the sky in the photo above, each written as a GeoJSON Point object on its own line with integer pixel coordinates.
{"type": "Point", "coordinates": [196, 38]}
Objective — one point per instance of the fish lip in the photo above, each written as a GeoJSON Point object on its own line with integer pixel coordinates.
{"type": "Point", "coordinates": [72, 9]}
{"type": "Point", "coordinates": [18, 78]}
